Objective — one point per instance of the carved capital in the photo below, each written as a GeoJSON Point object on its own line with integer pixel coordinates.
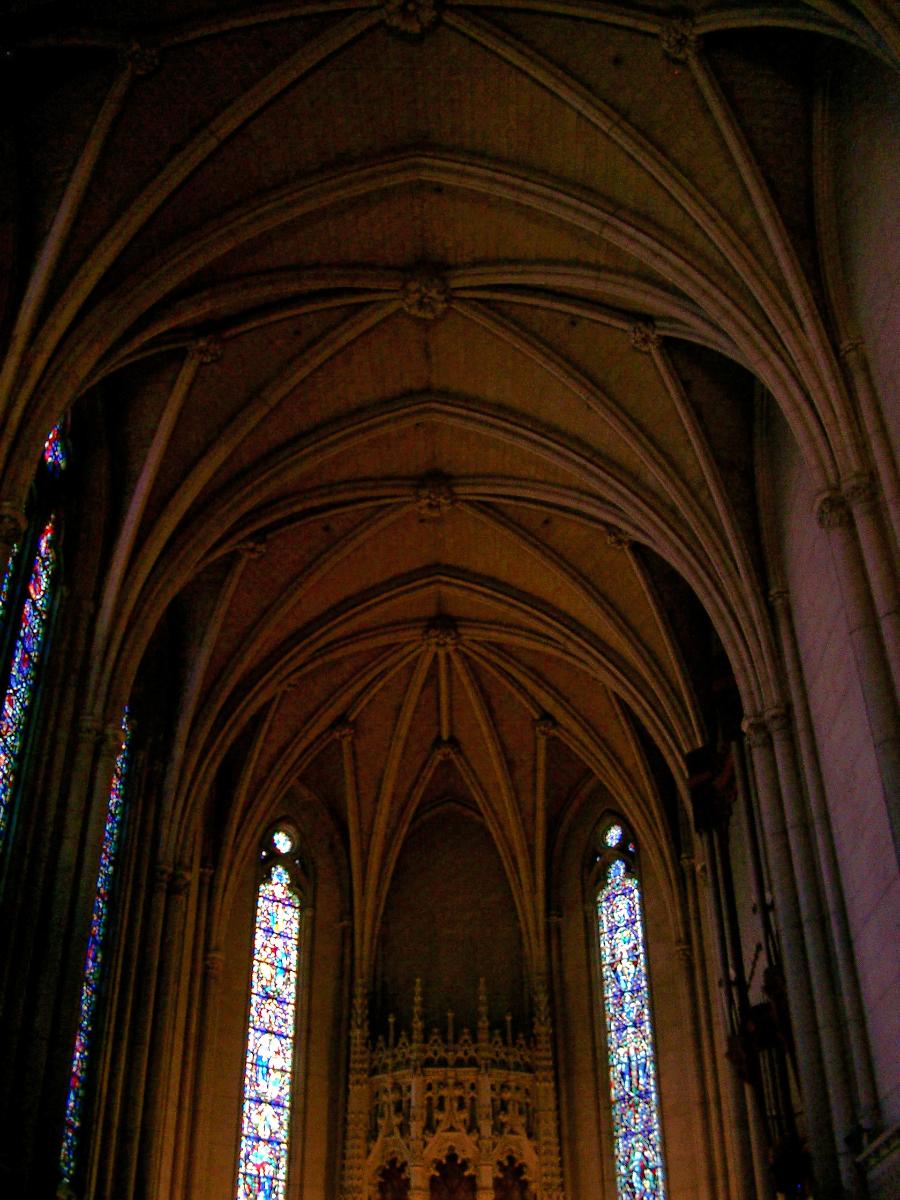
{"type": "Point", "coordinates": [112, 738]}
{"type": "Point", "coordinates": [860, 490]}
{"type": "Point", "coordinates": [425, 294]}
{"type": "Point", "coordinates": [756, 730]}
{"type": "Point", "coordinates": [850, 346]}
{"type": "Point", "coordinates": [833, 511]}
{"type": "Point", "coordinates": [545, 725]}
{"type": "Point", "coordinates": [617, 538]}
{"type": "Point", "coordinates": [679, 39]}
{"type": "Point", "coordinates": [252, 547]}
{"type": "Point", "coordinates": [778, 719]}
{"type": "Point", "coordinates": [12, 523]}
{"type": "Point", "coordinates": [206, 350]}
{"type": "Point", "coordinates": [215, 960]}
{"type": "Point", "coordinates": [644, 337]}
{"type": "Point", "coordinates": [139, 58]}
{"type": "Point", "coordinates": [343, 731]}
{"type": "Point", "coordinates": [434, 496]}
{"type": "Point", "coordinates": [161, 876]}
{"type": "Point", "coordinates": [683, 950]}
{"type": "Point", "coordinates": [89, 728]}
{"type": "Point", "coordinates": [411, 17]}
{"type": "Point", "coordinates": [441, 632]}
{"type": "Point", "coordinates": [780, 597]}
{"type": "Point", "coordinates": [179, 882]}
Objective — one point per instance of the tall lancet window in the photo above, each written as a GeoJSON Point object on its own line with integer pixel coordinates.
{"type": "Point", "coordinates": [26, 596]}
{"type": "Point", "coordinates": [269, 1062]}
{"type": "Point", "coordinates": [112, 835]}
{"type": "Point", "coordinates": [629, 1034]}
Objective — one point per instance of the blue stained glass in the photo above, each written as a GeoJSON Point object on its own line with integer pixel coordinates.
{"type": "Point", "coordinates": [22, 675]}
{"type": "Point", "coordinates": [632, 1066]}
{"type": "Point", "coordinates": [265, 1121]}
{"type": "Point", "coordinates": [55, 456]}
{"type": "Point", "coordinates": [7, 580]}
{"type": "Point", "coordinates": [94, 958]}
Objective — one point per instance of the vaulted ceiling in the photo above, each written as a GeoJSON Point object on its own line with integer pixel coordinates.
{"type": "Point", "coordinates": [429, 342]}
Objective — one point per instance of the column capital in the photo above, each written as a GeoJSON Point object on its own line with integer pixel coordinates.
{"type": "Point", "coordinates": [12, 522]}
{"type": "Point", "coordinates": [214, 961]}
{"type": "Point", "coordinates": [833, 511]}
{"type": "Point", "coordinates": [545, 726]}
{"type": "Point", "coordinates": [756, 730]}
{"type": "Point", "coordinates": [860, 490]}
{"type": "Point", "coordinates": [778, 719]}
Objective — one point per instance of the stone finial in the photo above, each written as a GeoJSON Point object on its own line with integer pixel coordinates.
{"type": "Point", "coordinates": [418, 1024]}
{"type": "Point", "coordinates": [205, 350]}
{"type": "Point", "coordinates": [833, 511]}
{"type": "Point", "coordinates": [434, 496]}
{"type": "Point", "coordinates": [679, 39]}
{"type": "Point", "coordinates": [644, 337]}
{"type": "Point", "coordinates": [425, 294]}
{"type": "Point", "coordinates": [411, 17]}
{"type": "Point", "coordinates": [140, 58]}
{"type": "Point", "coordinates": [441, 632]}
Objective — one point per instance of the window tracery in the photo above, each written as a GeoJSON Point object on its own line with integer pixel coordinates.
{"type": "Point", "coordinates": [634, 1097]}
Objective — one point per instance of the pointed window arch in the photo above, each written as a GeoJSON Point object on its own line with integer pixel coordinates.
{"type": "Point", "coordinates": [112, 836]}
{"type": "Point", "coordinates": [28, 593]}
{"type": "Point", "coordinates": [269, 1063]}
{"type": "Point", "coordinates": [634, 1095]}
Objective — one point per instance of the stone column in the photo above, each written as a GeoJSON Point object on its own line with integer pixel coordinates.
{"type": "Point", "coordinates": [159, 1094]}
{"type": "Point", "coordinates": [197, 1165]}
{"type": "Point", "coordinates": [132, 1148]}
{"type": "Point", "coordinates": [881, 567]}
{"type": "Point", "coordinates": [832, 884]}
{"type": "Point", "coordinates": [873, 670]}
{"type": "Point", "coordinates": [813, 1081]}
{"type": "Point", "coordinates": [814, 937]}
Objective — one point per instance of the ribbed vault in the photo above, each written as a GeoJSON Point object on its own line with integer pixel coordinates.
{"type": "Point", "coordinates": [413, 351]}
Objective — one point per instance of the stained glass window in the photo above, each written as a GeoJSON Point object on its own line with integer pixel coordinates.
{"type": "Point", "coordinates": [55, 455]}
{"type": "Point", "coordinates": [7, 581]}
{"type": "Point", "coordinates": [262, 1164]}
{"type": "Point", "coordinates": [632, 1067]}
{"type": "Point", "coordinates": [23, 673]}
{"type": "Point", "coordinates": [94, 958]}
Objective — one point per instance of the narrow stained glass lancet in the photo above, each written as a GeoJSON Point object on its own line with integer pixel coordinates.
{"type": "Point", "coordinates": [23, 673]}
{"type": "Point", "coordinates": [55, 456]}
{"type": "Point", "coordinates": [94, 958]}
{"type": "Point", "coordinates": [262, 1163]}
{"type": "Point", "coordinates": [632, 1068]}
